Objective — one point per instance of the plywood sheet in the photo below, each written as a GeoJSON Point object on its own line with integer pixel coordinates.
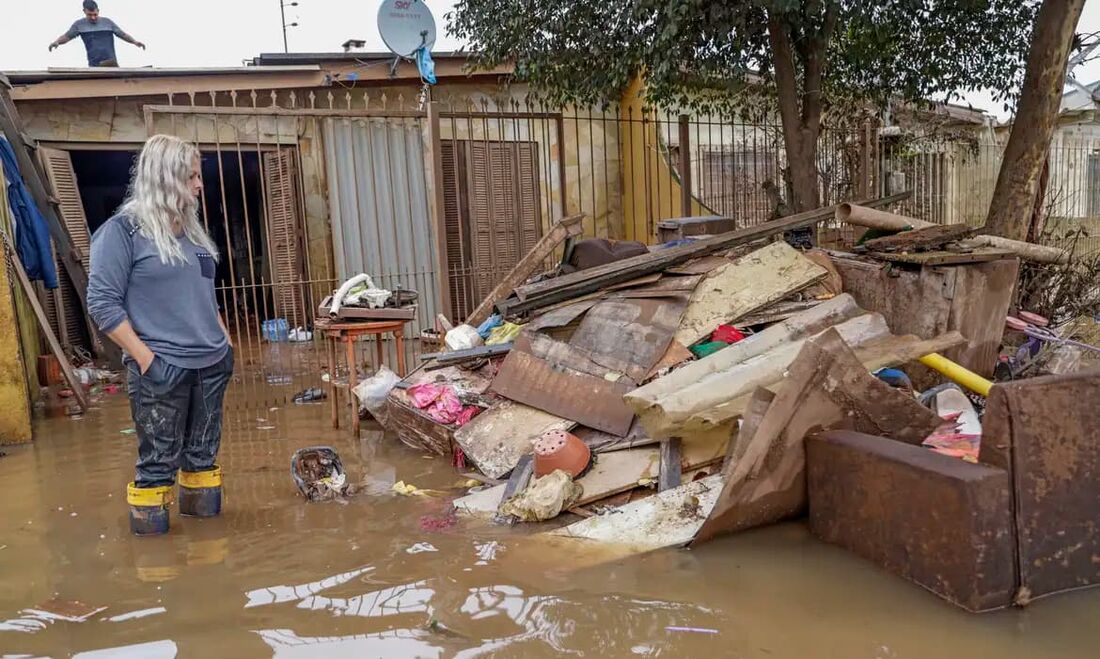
{"type": "Point", "coordinates": [675, 355]}
{"type": "Point", "coordinates": [495, 439]}
{"type": "Point", "coordinates": [568, 394]}
{"type": "Point", "coordinates": [629, 335]}
{"type": "Point", "coordinates": [755, 280]}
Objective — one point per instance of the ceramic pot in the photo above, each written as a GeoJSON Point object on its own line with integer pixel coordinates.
{"type": "Point", "coordinates": [558, 449]}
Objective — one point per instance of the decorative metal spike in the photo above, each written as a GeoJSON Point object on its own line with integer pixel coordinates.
{"type": "Point", "coordinates": [254, 96]}
{"type": "Point", "coordinates": [347, 99]}
{"type": "Point", "coordinates": [233, 97]}
{"type": "Point", "coordinates": [274, 98]}
{"type": "Point", "coordinates": [293, 99]}
{"type": "Point", "coordinates": [385, 100]}
{"type": "Point", "coordinates": [312, 100]}
{"type": "Point", "coordinates": [331, 100]}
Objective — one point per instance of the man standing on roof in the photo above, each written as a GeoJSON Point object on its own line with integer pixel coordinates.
{"type": "Point", "coordinates": [98, 33]}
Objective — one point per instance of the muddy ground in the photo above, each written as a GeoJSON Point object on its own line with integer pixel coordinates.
{"type": "Point", "coordinates": [386, 575]}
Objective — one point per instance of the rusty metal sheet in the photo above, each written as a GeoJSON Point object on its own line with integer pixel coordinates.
{"type": "Point", "coordinates": [1043, 431]}
{"type": "Point", "coordinates": [939, 522]}
{"type": "Point", "coordinates": [629, 335]}
{"type": "Point", "coordinates": [590, 401]}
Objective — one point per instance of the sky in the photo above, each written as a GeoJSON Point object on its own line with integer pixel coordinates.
{"type": "Point", "coordinates": [197, 33]}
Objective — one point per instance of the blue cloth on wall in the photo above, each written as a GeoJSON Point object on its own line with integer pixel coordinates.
{"type": "Point", "coordinates": [32, 236]}
{"type": "Point", "coordinates": [425, 64]}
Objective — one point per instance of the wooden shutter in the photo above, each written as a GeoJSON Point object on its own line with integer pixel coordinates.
{"type": "Point", "coordinates": [62, 305]}
{"type": "Point", "coordinates": [284, 240]}
{"type": "Point", "coordinates": [504, 217]}
{"type": "Point", "coordinates": [454, 220]}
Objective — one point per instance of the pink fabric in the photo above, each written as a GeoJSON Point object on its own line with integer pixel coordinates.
{"type": "Point", "coordinates": [947, 440]}
{"type": "Point", "coordinates": [441, 404]}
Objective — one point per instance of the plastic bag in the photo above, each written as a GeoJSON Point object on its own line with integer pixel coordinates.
{"type": "Point", "coordinates": [545, 498]}
{"type": "Point", "coordinates": [505, 333]}
{"type": "Point", "coordinates": [462, 337]}
{"type": "Point", "coordinates": [372, 392]}
{"type": "Point", "coordinates": [490, 323]}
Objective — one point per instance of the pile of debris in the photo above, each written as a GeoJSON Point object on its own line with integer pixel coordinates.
{"type": "Point", "coordinates": [667, 397]}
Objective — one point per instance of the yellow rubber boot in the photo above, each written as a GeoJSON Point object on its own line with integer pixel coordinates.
{"type": "Point", "coordinates": [148, 509]}
{"type": "Point", "coordinates": [201, 493]}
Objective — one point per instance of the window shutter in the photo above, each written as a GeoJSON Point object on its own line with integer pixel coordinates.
{"type": "Point", "coordinates": [63, 306]}
{"type": "Point", "coordinates": [284, 217]}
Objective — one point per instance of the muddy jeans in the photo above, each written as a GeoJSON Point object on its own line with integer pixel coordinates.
{"type": "Point", "coordinates": [178, 416]}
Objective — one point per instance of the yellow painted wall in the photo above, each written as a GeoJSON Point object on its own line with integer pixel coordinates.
{"type": "Point", "coordinates": [15, 421]}
{"type": "Point", "coordinates": [651, 187]}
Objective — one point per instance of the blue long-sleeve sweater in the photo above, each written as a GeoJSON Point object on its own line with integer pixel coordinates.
{"type": "Point", "coordinates": [172, 307]}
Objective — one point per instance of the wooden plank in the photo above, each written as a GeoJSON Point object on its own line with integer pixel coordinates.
{"type": "Point", "coordinates": [573, 285]}
{"type": "Point", "coordinates": [517, 482]}
{"type": "Point", "coordinates": [827, 388]}
{"type": "Point", "coordinates": [559, 317]}
{"type": "Point", "coordinates": [568, 227]}
{"type": "Point", "coordinates": [921, 239]}
{"type": "Point", "coordinates": [753, 281]}
{"type": "Point", "coordinates": [629, 335]}
{"type": "Point", "coordinates": [670, 464]}
{"type": "Point", "coordinates": [981, 255]}
{"type": "Point", "coordinates": [479, 352]}
{"type": "Point", "coordinates": [587, 400]}
{"type": "Point", "coordinates": [496, 439]}
{"type": "Point", "coordinates": [44, 324]}
{"type": "Point", "coordinates": [700, 266]}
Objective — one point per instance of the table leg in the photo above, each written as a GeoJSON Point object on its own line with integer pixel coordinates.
{"type": "Point", "coordinates": [399, 344]}
{"type": "Point", "coordinates": [353, 379]}
{"type": "Point", "coordinates": [379, 351]}
{"type": "Point", "coordinates": [330, 350]}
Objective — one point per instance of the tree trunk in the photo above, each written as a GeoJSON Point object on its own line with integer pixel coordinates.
{"type": "Point", "coordinates": [1014, 197]}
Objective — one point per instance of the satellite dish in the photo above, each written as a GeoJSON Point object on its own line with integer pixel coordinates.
{"type": "Point", "coordinates": [405, 26]}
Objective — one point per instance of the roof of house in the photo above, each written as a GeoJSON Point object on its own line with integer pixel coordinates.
{"type": "Point", "coordinates": [267, 71]}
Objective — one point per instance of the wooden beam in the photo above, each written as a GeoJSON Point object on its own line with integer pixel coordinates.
{"type": "Point", "coordinates": [563, 229]}
{"type": "Point", "coordinates": [670, 464]}
{"type": "Point", "coordinates": [685, 166]}
{"type": "Point", "coordinates": [44, 324]}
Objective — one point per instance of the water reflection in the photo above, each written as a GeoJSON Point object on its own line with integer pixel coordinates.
{"type": "Point", "coordinates": [396, 643]}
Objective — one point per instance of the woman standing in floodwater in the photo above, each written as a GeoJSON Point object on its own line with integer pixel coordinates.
{"type": "Point", "coordinates": [151, 290]}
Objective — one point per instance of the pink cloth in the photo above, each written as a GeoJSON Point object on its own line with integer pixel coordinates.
{"type": "Point", "coordinates": [441, 404]}
{"type": "Point", "coordinates": [948, 441]}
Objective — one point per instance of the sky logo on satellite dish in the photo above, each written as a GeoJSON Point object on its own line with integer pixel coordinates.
{"type": "Point", "coordinates": [405, 26]}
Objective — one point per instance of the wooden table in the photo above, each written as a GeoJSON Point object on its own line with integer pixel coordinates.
{"type": "Point", "coordinates": [347, 333]}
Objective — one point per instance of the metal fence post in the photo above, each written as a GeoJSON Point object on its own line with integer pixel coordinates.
{"type": "Point", "coordinates": [685, 166]}
{"type": "Point", "coordinates": [439, 224]}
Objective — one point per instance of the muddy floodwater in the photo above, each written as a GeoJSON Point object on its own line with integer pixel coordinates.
{"type": "Point", "coordinates": [389, 576]}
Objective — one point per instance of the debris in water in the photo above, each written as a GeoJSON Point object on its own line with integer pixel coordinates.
{"type": "Point", "coordinates": [408, 490]}
{"type": "Point", "coordinates": [420, 548]}
{"type": "Point", "coordinates": [696, 630]}
{"type": "Point", "coordinates": [134, 615]}
{"type": "Point", "coordinates": [318, 473]}
{"type": "Point", "coordinates": [309, 395]}
{"type": "Point", "coordinates": [68, 610]}
{"type": "Point", "coordinates": [127, 431]}
{"type": "Point", "coordinates": [438, 522]}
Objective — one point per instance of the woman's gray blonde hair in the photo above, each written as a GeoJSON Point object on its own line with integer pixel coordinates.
{"type": "Point", "coordinates": [160, 201]}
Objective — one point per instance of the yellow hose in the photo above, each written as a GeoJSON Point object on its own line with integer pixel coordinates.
{"type": "Point", "coordinates": [957, 374]}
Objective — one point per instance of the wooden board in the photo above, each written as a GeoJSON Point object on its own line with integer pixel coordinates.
{"type": "Point", "coordinates": [827, 388]}
{"type": "Point", "coordinates": [753, 281]}
{"type": "Point", "coordinates": [587, 400]}
{"type": "Point", "coordinates": [922, 239]}
{"type": "Point", "coordinates": [517, 482]}
{"type": "Point", "coordinates": [562, 229]}
{"type": "Point", "coordinates": [559, 317]}
{"type": "Point", "coordinates": [44, 324]}
{"type": "Point", "coordinates": [495, 439]}
{"type": "Point", "coordinates": [699, 266]}
{"type": "Point", "coordinates": [980, 255]}
{"type": "Point", "coordinates": [629, 336]}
